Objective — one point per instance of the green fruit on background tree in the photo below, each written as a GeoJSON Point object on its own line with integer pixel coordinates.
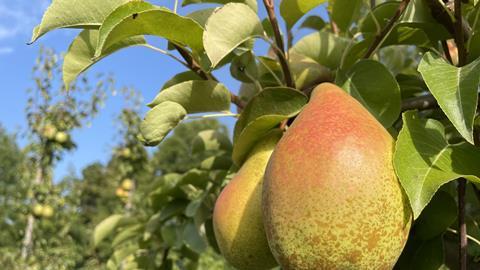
{"type": "Point", "coordinates": [127, 184]}
{"type": "Point", "coordinates": [47, 211]}
{"type": "Point", "coordinates": [37, 209]}
{"type": "Point", "coordinates": [331, 199]}
{"type": "Point", "coordinates": [237, 217]}
{"type": "Point", "coordinates": [61, 137]}
{"type": "Point", "coordinates": [49, 131]}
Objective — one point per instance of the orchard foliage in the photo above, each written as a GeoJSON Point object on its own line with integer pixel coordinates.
{"type": "Point", "coordinates": [413, 64]}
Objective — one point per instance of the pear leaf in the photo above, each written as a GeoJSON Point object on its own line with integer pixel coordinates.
{"type": "Point", "coordinates": [80, 54]}
{"type": "Point", "coordinates": [227, 28]}
{"type": "Point", "coordinates": [313, 22]}
{"type": "Point", "coordinates": [265, 111]}
{"type": "Point", "coordinates": [371, 83]}
{"type": "Point", "coordinates": [141, 18]}
{"type": "Point", "coordinates": [293, 10]}
{"type": "Point", "coordinates": [105, 228]}
{"type": "Point", "coordinates": [251, 3]}
{"type": "Point", "coordinates": [325, 48]}
{"type": "Point", "coordinates": [159, 121]}
{"type": "Point", "coordinates": [344, 12]}
{"type": "Point", "coordinates": [424, 160]}
{"type": "Point", "coordinates": [196, 96]}
{"type": "Point", "coordinates": [74, 14]}
{"type": "Point", "coordinates": [455, 89]}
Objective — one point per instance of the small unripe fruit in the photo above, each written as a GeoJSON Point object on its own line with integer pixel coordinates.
{"type": "Point", "coordinates": [127, 184]}
{"type": "Point", "coordinates": [37, 210]}
{"type": "Point", "coordinates": [126, 153]}
{"type": "Point", "coordinates": [49, 131]}
{"type": "Point", "coordinates": [47, 211]}
{"type": "Point", "coordinates": [120, 192]}
{"type": "Point", "coordinates": [61, 137]}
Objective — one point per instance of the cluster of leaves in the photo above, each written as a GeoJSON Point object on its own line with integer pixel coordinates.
{"type": "Point", "coordinates": [169, 221]}
{"type": "Point", "coordinates": [372, 52]}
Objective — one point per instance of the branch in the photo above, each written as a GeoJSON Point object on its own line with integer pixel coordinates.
{"type": "Point", "coordinates": [459, 34]}
{"type": "Point", "coordinates": [462, 227]}
{"type": "Point", "coordinates": [381, 36]}
{"type": "Point", "coordinates": [280, 51]}
{"type": "Point", "coordinates": [195, 67]}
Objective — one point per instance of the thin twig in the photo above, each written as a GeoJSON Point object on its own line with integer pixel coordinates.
{"type": "Point", "coordinates": [462, 226]}
{"type": "Point", "coordinates": [372, 4]}
{"type": "Point", "coordinates": [462, 60]}
{"type": "Point", "coordinates": [459, 34]}
{"type": "Point", "coordinates": [166, 53]}
{"type": "Point", "coordinates": [471, 238]}
{"type": "Point", "coordinates": [195, 67]}
{"type": "Point", "coordinates": [386, 30]}
{"type": "Point", "coordinates": [446, 50]}
{"type": "Point", "coordinates": [280, 52]}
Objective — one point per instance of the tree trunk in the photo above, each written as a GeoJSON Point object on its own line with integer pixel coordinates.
{"type": "Point", "coordinates": [27, 242]}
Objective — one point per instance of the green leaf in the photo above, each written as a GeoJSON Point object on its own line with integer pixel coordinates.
{"type": "Point", "coordinates": [307, 72]}
{"type": "Point", "coordinates": [181, 77]}
{"type": "Point", "coordinates": [313, 22]}
{"type": "Point", "coordinates": [344, 12]}
{"type": "Point", "coordinates": [159, 121]}
{"type": "Point", "coordinates": [293, 10]}
{"type": "Point", "coordinates": [210, 140]}
{"type": "Point", "coordinates": [75, 14]}
{"type": "Point", "coordinates": [430, 224]}
{"type": "Point", "coordinates": [371, 83]}
{"type": "Point", "coordinates": [105, 228]}
{"type": "Point", "coordinates": [141, 18]}
{"type": "Point", "coordinates": [424, 160]}
{"type": "Point", "coordinates": [196, 96]}
{"type": "Point", "coordinates": [216, 163]}
{"type": "Point", "coordinates": [201, 16]}
{"type": "Point", "coordinates": [244, 67]}
{"type": "Point", "coordinates": [325, 48]}
{"type": "Point", "coordinates": [251, 3]}
{"type": "Point", "coordinates": [229, 27]}
{"type": "Point", "coordinates": [265, 111]}
{"type": "Point", "coordinates": [82, 51]}
{"type": "Point", "coordinates": [455, 89]}
{"type": "Point", "coordinates": [127, 234]}
{"type": "Point", "coordinates": [192, 238]}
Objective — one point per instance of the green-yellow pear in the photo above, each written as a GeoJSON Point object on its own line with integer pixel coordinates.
{"type": "Point", "coordinates": [237, 217]}
{"type": "Point", "coordinates": [61, 137]}
{"type": "Point", "coordinates": [331, 199]}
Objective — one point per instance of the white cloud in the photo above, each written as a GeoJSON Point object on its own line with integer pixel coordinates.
{"type": "Point", "coordinates": [6, 50]}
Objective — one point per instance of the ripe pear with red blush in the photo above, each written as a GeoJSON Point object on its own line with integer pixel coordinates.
{"type": "Point", "coordinates": [237, 217]}
{"type": "Point", "coordinates": [331, 199]}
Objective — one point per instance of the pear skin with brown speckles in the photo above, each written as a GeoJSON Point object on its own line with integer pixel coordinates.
{"type": "Point", "coordinates": [237, 217]}
{"type": "Point", "coordinates": [331, 199]}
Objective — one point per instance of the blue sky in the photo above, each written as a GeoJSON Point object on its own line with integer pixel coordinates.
{"type": "Point", "coordinates": [140, 68]}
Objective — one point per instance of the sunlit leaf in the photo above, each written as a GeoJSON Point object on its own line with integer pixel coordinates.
{"type": "Point", "coordinates": [371, 83]}
{"type": "Point", "coordinates": [344, 12]}
{"type": "Point", "coordinates": [263, 113]}
{"type": "Point", "coordinates": [81, 52]}
{"type": "Point", "coordinates": [75, 14]}
{"type": "Point", "coordinates": [229, 27]}
{"type": "Point", "coordinates": [293, 10]}
{"type": "Point", "coordinates": [159, 121]}
{"type": "Point", "coordinates": [105, 228]}
{"type": "Point", "coordinates": [455, 89]}
{"type": "Point", "coordinates": [424, 160]}
{"type": "Point", "coordinates": [141, 18]}
{"type": "Point", "coordinates": [251, 3]}
{"type": "Point", "coordinates": [196, 96]}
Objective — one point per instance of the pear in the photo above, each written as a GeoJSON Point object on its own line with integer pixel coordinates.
{"type": "Point", "coordinates": [237, 217]}
{"type": "Point", "coordinates": [331, 199]}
